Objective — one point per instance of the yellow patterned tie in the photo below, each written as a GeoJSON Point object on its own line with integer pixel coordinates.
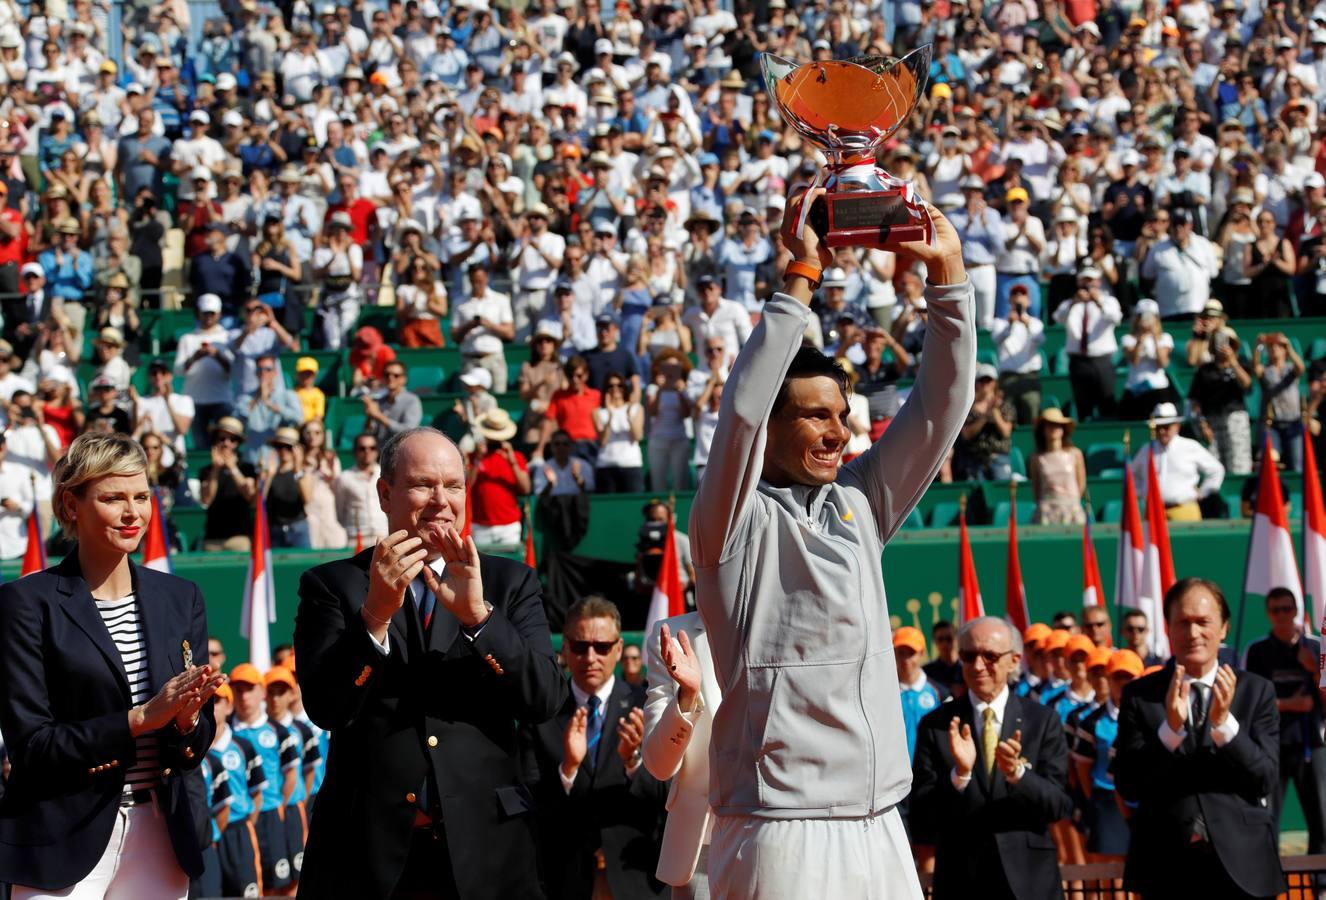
{"type": "Point", "coordinates": [989, 739]}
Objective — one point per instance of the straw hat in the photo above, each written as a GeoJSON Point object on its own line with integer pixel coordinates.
{"type": "Point", "coordinates": [496, 425]}
{"type": "Point", "coordinates": [229, 425]}
{"type": "Point", "coordinates": [1055, 416]}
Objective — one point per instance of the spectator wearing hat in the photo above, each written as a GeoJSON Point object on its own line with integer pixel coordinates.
{"type": "Point", "coordinates": [740, 255]}
{"type": "Point", "coordinates": [1057, 470]}
{"type": "Point", "coordinates": [1036, 674]}
{"type": "Point", "coordinates": [102, 414]}
{"type": "Point", "coordinates": [1059, 260]}
{"type": "Point", "coordinates": [499, 477]}
{"type": "Point", "coordinates": [311, 397]}
{"type": "Point", "coordinates": [23, 314]}
{"type": "Point", "coordinates": [199, 213]}
{"type": "Point", "coordinates": [1217, 401]}
{"type": "Point", "coordinates": [162, 411]}
{"type": "Point", "coordinates": [920, 696]}
{"type": "Point", "coordinates": [478, 399]}
{"type": "Point", "coordinates": [198, 151]}
{"type": "Point", "coordinates": [203, 358]}
{"type": "Point", "coordinates": [269, 407]}
{"type": "Point", "coordinates": [1147, 350]}
{"type": "Point", "coordinates": [1089, 321]}
{"type": "Point", "coordinates": [535, 257]}
{"type": "Point", "coordinates": [339, 266]}
{"type": "Point", "coordinates": [1181, 267]}
{"type": "Point", "coordinates": [1186, 470]}
{"type": "Point", "coordinates": [1019, 258]}
{"type": "Point", "coordinates": [483, 325]}
{"type": "Point", "coordinates": [982, 233]}
{"type": "Point", "coordinates": [288, 489]}
{"type": "Point", "coordinates": [1124, 206]}
{"type": "Point", "coordinates": [228, 487]}
{"type": "Point", "coordinates": [220, 271]}
{"type": "Point", "coordinates": [1186, 187]}
{"type": "Point", "coordinates": [982, 449]}
{"type": "Point", "coordinates": [1093, 755]}
{"type": "Point", "coordinates": [609, 356]}
{"type": "Point", "coordinates": [717, 317]}
{"type": "Point", "coordinates": [68, 267]}
{"type": "Point", "coordinates": [116, 309]}
{"type": "Point", "coordinates": [259, 335]}
{"type": "Point", "coordinates": [1018, 339]}
{"type": "Point", "coordinates": [668, 406]}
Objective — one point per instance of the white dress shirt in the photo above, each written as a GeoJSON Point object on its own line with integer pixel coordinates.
{"type": "Point", "coordinates": [1221, 734]}
{"type": "Point", "coordinates": [1094, 321]}
{"type": "Point", "coordinates": [998, 704]}
{"type": "Point", "coordinates": [438, 566]}
{"type": "Point", "coordinates": [16, 485]}
{"type": "Point", "coordinates": [1182, 276]}
{"type": "Point", "coordinates": [604, 693]}
{"type": "Point", "coordinates": [1018, 345]}
{"type": "Point", "coordinates": [1187, 471]}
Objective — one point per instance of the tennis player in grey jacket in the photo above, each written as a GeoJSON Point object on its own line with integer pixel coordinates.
{"type": "Point", "coordinates": [808, 751]}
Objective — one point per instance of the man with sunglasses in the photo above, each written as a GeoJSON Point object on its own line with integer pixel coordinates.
{"type": "Point", "coordinates": [355, 491]}
{"type": "Point", "coordinates": [990, 777]}
{"type": "Point", "coordinates": [1136, 629]}
{"type": "Point", "coordinates": [787, 543]}
{"type": "Point", "coordinates": [1289, 659]}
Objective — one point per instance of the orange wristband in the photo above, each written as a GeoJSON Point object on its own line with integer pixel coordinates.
{"type": "Point", "coordinates": [811, 273]}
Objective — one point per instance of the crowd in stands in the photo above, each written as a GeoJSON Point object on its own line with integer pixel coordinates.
{"type": "Point", "coordinates": [578, 205]}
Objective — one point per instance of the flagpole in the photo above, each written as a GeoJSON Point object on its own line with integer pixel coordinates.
{"type": "Point", "coordinates": [1119, 551]}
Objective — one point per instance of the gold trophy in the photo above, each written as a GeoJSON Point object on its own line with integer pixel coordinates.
{"type": "Point", "coordinates": [848, 108]}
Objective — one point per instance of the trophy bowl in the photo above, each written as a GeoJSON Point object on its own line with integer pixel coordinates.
{"type": "Point", "coordinates": [848, 108]}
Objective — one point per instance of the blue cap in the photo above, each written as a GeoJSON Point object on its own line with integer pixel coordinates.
{"type": "Point", "coordinates": [607, 317]}
{"type": "Point", "coordinates": [1078, 129]}
{"type": "Point", "coordinates": [767, 135]}
{"type": "Point", "coordinates": [708, 159]}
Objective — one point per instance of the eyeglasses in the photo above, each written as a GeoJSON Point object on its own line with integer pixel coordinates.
{"type": "Point", "coordinates": [969, 657]}
{"type": "Point", "coordinates": [713, 349]}
{"type": "Point", "coordinates": [1134, 629]}
{"type": "Point", "coordinates": [581, 648]}
{"type": "Point", "coordinates": [266, 368]}
{"type": "Point", "coordinates": [394, 374]}
{"type": "Point", "coordinates": [1101, 624]}
{"type": "Point", "coordinates": [580, 374]}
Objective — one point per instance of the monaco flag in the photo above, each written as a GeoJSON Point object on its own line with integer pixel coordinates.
{"type": "Point", "coordinates": [34, 555]}
{"type": "Point", "coordinates": [970, 605]}
{"type": "Point", "coordinates": [1128, 564]}
{"type": "Point", "coordinates": [1314, 539]}
{"type": "Point", "coordinates": [531, 559]}
{"type": "Point", "coordinates": [1157, 563]}
{"type": "Point", "coordinates": [156, 545]}
{"type": "Point", "coordinates": [1015, 590]}
{"type": "Point", "coordinates": [1093, 592]}
{"type": "Point", "coordinates": [669, 599]}
{"type": "Point", "coordinates": [259, 609]}
{"type": "Point", "coordinates": [1271, 561]}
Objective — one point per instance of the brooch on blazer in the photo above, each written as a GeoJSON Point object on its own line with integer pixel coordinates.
{"type": "Point", "coordinates": [188, 655]}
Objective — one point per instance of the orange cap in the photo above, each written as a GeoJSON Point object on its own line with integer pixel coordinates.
{"type": "Point", "coordinates": [910, 637]}
{"type": "Point", "coordinates": [1099, 658]}
{"type": "Point", "coordinates": [281, 675]}
{"type": "Point", "coordinates": [1078, 643]}
{"type": "Point", "coordinates": [1152, 669]}
{"type": "Point", "coordinates": [225, 693]}
{"type": "Point", "coordinates": [245, 673]}
{"type": "Point", "coordinates": [1035, 632]}
{"type": "Point", "coordinates": [1055, 640]}
{"type": "Point", "coordinates": [1126, 661]}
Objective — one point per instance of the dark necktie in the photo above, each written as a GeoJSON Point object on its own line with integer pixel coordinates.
{"type": "Point", "coordinates": [1086, 328]}
{"type": "Point", "coordinates": [425, 603]}
{"type": "Point", "coordinates": [594, 731]}
{"type": "Point", "coordinates": [1198, 706]}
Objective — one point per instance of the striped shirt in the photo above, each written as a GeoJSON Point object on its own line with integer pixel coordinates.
{"type": "Point", "coordinates": [126, 630]}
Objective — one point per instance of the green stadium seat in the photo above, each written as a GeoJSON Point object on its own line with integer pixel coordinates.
{"type": "Point", "coordinates": [351, 424]}
{"type": "Point", "coordinates": [426, 379]}
{"type": "Point", "coordinates": [1295, 505]}
{"type": "Point", "coordinates": [914, 522]}
{"type": "Point", "coordinates": [1105, 456]}
{"type": "Point", "coordinates": [1112, 511]}
{"type": "Point", "coordinates": [1110, 473]}
{"type": "Point", "coordinates": [1317, 350]}
{"type": "Point", "coordinates": [987, 357]}
{"type": "Point", "coordinates": [1234, 503]}
{"type": "Point", "coordinates": [945, 514]}
{"type": "Point", "coordinates": [1017, 461]}
{"type": "Point", "coordinates": [1025, 510]}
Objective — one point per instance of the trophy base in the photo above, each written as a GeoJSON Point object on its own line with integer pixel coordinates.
{"type": "Point", "coordinates": [867, 219]}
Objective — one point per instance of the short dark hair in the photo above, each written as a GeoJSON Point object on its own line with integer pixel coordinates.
{"type": "Point", "coordinates": [1181, 587]}
{"type": "Point", "coordinates": [1279, 593]}
{"type": "Point", "coordinates": [594, 606]}
{"type": "Point", "coordinates": [811, 363]}
{"type": "Point", "coordinates": [1131, 612]}
{"type": "Point", "coordinates": [1061, 615]}
{"type": "Point", "coordinates": [940, 625]}
{"type": "Point", "coordinates": [575, 364]}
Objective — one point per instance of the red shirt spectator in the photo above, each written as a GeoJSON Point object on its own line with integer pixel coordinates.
{"type": "Point", "coordinates": [195, 215]}
{"type": "Point", "coordinates": [369, 356]}
{"type": "Point", "coordinates": [13, 236]}
{"type": "Point", "coordinates": [363, 213]}
{"type": "Point", "coordinates": [573, 408]}
{"type": "Point", "coordinates": [494, 487]}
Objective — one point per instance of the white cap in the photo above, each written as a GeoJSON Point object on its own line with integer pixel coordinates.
{"type": "Point", "coordinates": [566, 58]}
{"type": "Point", "coordinates": [200, 172]}
{"type": "Point", "coordinates": [1314, 179]}
{"type": "Point", "coordinates": [1319, 36]}
{"type": "Point", "coordinates": [232, 117]}
{"type": "Point", "coordinates": [226, 82]}
{"type": "Point", "coordinates": [32, 268]}
{"type": "Point", "coordinates": [1147, 307]}
{"type": "Point", "coordinates": [1285, 43]}
{"type": "Point", "coordinates": [1130, 157]}
{"type": "Point", "coordinates": [209, 303]}
{"type": "Point", "coordinates": [134, 88]}
{"type": "Point", "coordinates": [834, 277]}
{"type": "Point", "coordinates": [477, 378]}
{"type": "Point", "coordinates": [1089, 273]}
{"type": "Point", "coordinates": [199, 115]}
{"type": "Point", "coordinates": [1165, 414]}
{"type": "Point", "coordinates": [602, 45]}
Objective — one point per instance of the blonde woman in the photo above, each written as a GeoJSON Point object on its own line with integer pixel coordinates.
{"type": "Point", "coordinates": [321, 469]}
{"type": "Point", "coordinates": [107, 699]}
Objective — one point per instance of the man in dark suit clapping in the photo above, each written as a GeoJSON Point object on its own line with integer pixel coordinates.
{"type": "Point", "coordinates": [421, 657]}
{"type": "Point", "coordinates": [601, 813]}
{"type": "Point", "coordinates": [989, 777]}
{"type": "Point", "coordinates": [1198, 752]}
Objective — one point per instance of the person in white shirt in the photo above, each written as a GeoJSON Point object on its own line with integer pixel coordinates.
{"type": "Point", "coordinates": [536, 257]}
{"type": "Point", "coordinates": [16, 501]}
{"type": "Point", "coordinates": [10, 381]}
{"type": "Point", "coordinates": [33, 446]}
{"type": "Point", "coordinates": [1018, 339]}
{"type": "Point", "coordinates": [204, 358]}
{"type": "Point", "coordinates": [1089, 317]}
{"type": "Point", "coordinates": [1182, 267]}
{"type": "Point", "coordinates": [187, 154]}
{"type": "Point", "coordinates": [165, 412]}
{"type": "Point", "coordinates": [717, 316]}
{"type": "Point", "coordinates": [1147, 349]}
{"type": "Point", "coordinates": [1019, 259]}
{"type": "Point", "coordinates": [356, 494]}
{"type": "Point", "coordinates": [1185, 470]}
{"type": "Point", "coordinates": [483, 325]}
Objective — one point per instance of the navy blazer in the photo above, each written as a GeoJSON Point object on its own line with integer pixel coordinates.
{"type": "Point", "coordinates": [439, 709]}
{"type": "Point", "coordinates": [64, 702]}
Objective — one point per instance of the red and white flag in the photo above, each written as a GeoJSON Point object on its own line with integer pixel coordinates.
{"type": "Point", "coordinates": [1157, 563]}
{"type": "Point", "coordinates": [1314, 543]}
{"type": "Point", "coordinates": [259, 609]}
{"type": "Point", "coordinates": [970, 605]}
{"type": "Point", "coordinates": [668, 599]}
{"type": "Point", "coordinates": [156, 545]}
{"type": "Point", "coordinates": [531, 559]}
{"type": "Point", "coordinates": [1015, 590]}
{"type": "Point", "coordinates": [1132, 545]}
{"type": "Point", "coordinates": [1271, 562]}
{"type": "Point", "coordinates": [34, 555]}
{"type": "Point", "coordinates": [1093, 591]}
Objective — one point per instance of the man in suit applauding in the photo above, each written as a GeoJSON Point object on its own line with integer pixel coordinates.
{"type": "Point", "coordinates": [679, 714]}
{"type": "Point", "coordinates": [421, 656]}
{"type": "Point", "coordinates": [989, 777]}
{"type": "Point", "coordinates": [1198, 752]}
{"type": "Point", "coordinates": [600, 811]}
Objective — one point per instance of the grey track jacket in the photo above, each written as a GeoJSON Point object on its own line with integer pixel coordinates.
{"type": "Point", "coordinates": [791, 588]}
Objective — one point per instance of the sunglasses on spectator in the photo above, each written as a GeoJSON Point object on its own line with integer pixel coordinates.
{"type": "Point", "coordinates": [969, 657]}
{"type": "Point", "coordinates": [364, 448]}
{"type": "Point", "coordinates": [268, 368]}
{"type": "Point", "coordinates": [394, 373]}
{"type": "Point", "coordinates": [226, 439]}
{"type": "Point", "coordinates": [1134, 629]}
{"type": "Point", "coordinates": [581, 648]}
{"type": "Point", "coordinates": [1101, 624]}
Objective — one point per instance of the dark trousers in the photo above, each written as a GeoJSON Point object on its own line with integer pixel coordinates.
{"type": "Point", "coordinates": [428, 874]}
{"type": "Point", "coordinates": [1197, 872]}
{"type": "Point", "coordinates": [1309, 778]}
{"type": "Point", "coordinates": [619, 480]}
{"type": "Point", "coordinates": [1024, 392]}
{"type": "Point", "coordinates": [1092, 378]}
